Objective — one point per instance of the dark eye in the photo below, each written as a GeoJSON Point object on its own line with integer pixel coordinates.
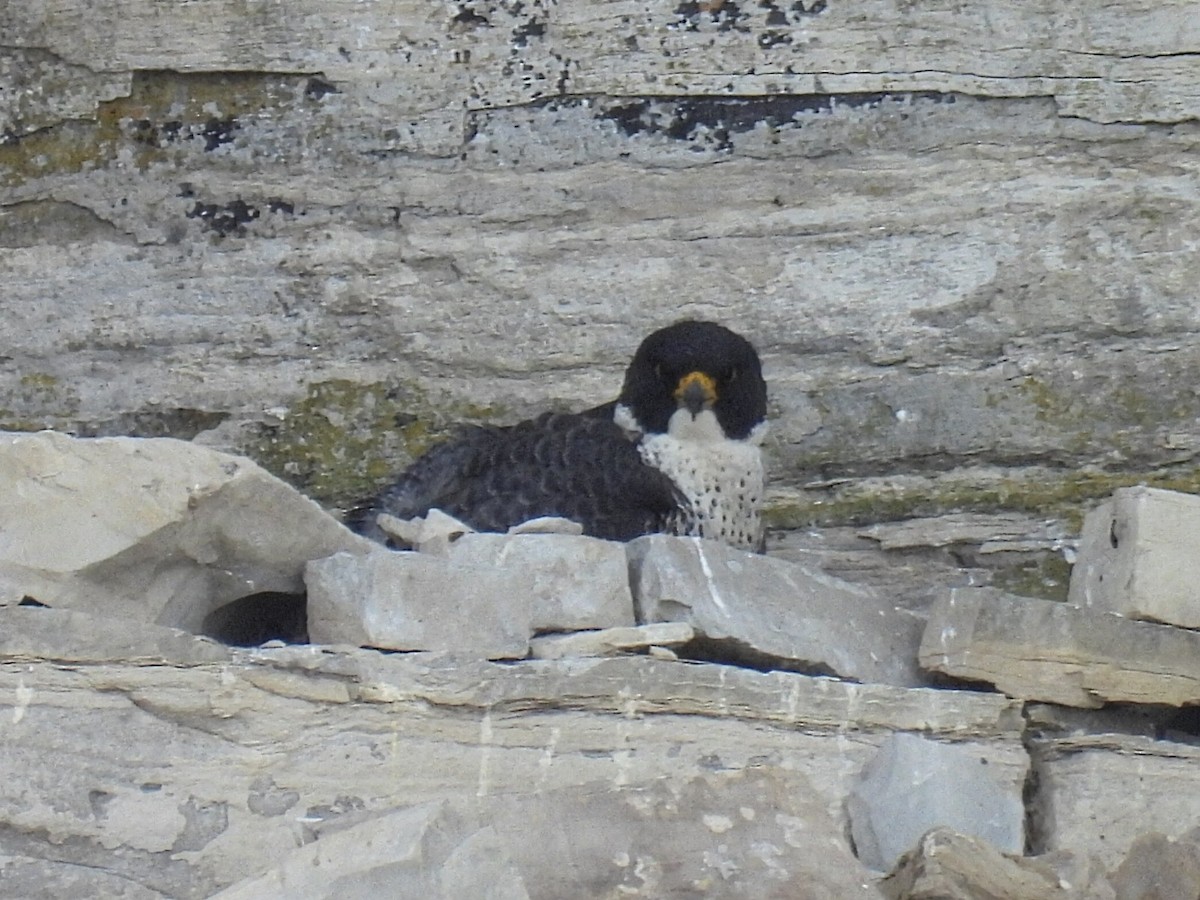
{"type": "Point", "coordinates": [734, 374]}
{"type": "Point", "coordinates": [658, 373]}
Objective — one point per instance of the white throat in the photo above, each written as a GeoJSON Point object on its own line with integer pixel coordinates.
{"type": "Point", "coordinates": [703, 428]}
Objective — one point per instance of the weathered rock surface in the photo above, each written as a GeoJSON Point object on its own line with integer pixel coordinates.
{"type": "Point", "coordinates": [1137, 557]}
{"type": "Point", "coordinates": [575, 581]}
{"type": "Point", "coordinates": [1098, 793]}
{"type": "Point", "coordinates": [611, 641]}
{"type": "Point", "coordinates": [482, 595]}
{"type": "Point", "coordinates": [914, 784]}
{"type": "Point", "coordinates": [403, 600]}
{"type": "Point", "coordinates": [946, 865]}
{"type": "Point", "coordinates": [432, 533]}
{"type": "Point", "coordinates": [1158, 868]}
{"type": "Point", "coordinates": [150, 530]}
{"type": "Point", "coordinates": [235, 764]}
{"type": "Point", "coordinates": [765, 608]}
{"type": "Point", "coordinates": [417, 852]}
{"type": "Point", "coordinates": [31, 633]}
{"type": "Point", "coordinates": [756, 833]}
{"type": "Point", "coordinates": [1041, 650]}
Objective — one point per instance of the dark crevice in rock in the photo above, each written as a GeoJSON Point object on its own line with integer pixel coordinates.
{"type": "Point", "coordinates": [1035, 796]}
{"type": "Point", "coordinates": [730, 652]}
{"type": "Point", "coordinates": [1183, 725]}
{"type": "Point", "coordinates": [258, 618]}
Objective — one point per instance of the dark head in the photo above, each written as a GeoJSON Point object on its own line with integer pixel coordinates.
{"type": "Point", "coordinates": [696, 366]}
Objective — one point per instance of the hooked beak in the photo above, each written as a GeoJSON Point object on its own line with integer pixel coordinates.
{"type": "Point", "coordinates": [696, 392]}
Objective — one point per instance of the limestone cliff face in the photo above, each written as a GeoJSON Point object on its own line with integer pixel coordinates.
{"type": "Point", "coordinates": [319, 232]}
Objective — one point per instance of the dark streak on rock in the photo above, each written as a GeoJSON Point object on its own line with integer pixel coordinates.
{"type": "Point", "coordinates": [725, 14]}
{"type": "Point", "coordinates": [318, 87]}
{"type": "Point", "coordinates": [769, 39]}
{"type": "Point", "coordinates": [225, 220]}
{"type": "Point", "coordinates": [718, 118]}
{"type": "Point", "coordinates": [814, 9]}
{"type": "Point", "coordinates": [522, 33]}
{"type": "Point", "coordinates": [467, 18]}
{"type": "Point", "coordinates": [218, 131]}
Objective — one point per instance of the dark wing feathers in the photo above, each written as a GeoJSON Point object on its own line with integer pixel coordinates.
{"type": "Point", "coordinates": [576, 466]}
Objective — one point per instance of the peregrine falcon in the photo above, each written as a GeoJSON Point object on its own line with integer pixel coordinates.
{"type": "Point", "coordinates": [678, 452]}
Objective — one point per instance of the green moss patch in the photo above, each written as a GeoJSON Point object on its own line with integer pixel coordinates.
{"type": "Point", "coordinates": [345, 439]}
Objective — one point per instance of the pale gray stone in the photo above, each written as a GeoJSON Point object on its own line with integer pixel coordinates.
{"type": "Point", "coordinates": [948, 865]}
{"type": "Point", "coordinates": [409, 854]}
{"type": "Point", "coordinates": [914, 784]}
{"type": "Point", "coordinates": [36, 878]}
{"type": "Point", "coordinates": [746, 834]}
{"type": "Point", "coordinates": [966, 528]}
{"type": "Point", "coordinates": [357, 733]}
{"type": "Point", "coordinates": [547, 525]}
{"type": "Point", "coordinates": [757, 833]}
{"type": "Point", "coordinates": [1159, 868]}
{"type": "Point", "coordinates": [1099, 793]}
{"type": "Point", "coordinates": [611, 641]}
{"type": "Point", "coordinates": [1042, 650]}
{"type": "Point", "coordinates": [774, 609]}
{"type": "Point", "coordinates": [1137, 556]}
{"type": "Point", "coordinates": [572, 581]}
{"type": "Point", "coordinates": [150, 530]}
{"type": "Point", "coordinates": [431, 533]}
{"type": "Point", "coordinates": [404, 600]}
{"type": "Point", "coordinates": [30, 633]}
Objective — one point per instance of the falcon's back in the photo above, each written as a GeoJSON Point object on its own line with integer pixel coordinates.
{"type": "Point", "coordinates": [581, 467]}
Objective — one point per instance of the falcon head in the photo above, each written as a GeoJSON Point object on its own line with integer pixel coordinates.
{"type": "Point", "coordinates": [695, 381]}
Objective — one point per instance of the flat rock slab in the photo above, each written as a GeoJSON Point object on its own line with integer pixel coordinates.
{"type": "Point", "coordinates": [1059, 653]}
{"type": "Point", "coordinates": [774, 609]}
{"type": "Point", "coordinates": [152, 530]}
{"type": "Point", "coordinates": [404, 600]}
{"type": "Point", "coordinates": [611, 641]}
{"type": "Point", "coordinates": [1137, 557]}
{"type": "Point", "coordinates": [575, 581]}
{"type": "Point", "coordinates": [914, 784]}
{"type": "Point", "coordinates": [28, 633]}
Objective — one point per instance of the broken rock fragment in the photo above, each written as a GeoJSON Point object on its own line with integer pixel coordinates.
{"type": "Point", "coordinates": [575, 581]}
{"type": "Point", "coordinates": [1137, 557]}
{"type": "Point", "coordinates": [403, 600]}
{"type": "Point", "coordinates": [151, 529]}
{"type": "Point", "coordinates": [773, 609]}
{"type": "Point", "coordinates": [1158, 867]}
{"type": "Point", "coordinates": [1059, 653]}
{"type": "Point", "coordinates": [914, 784]}
{"type": "Point", "coordinates": [612, 641]}
{"type": "Point", "coordinates": [946, 865]}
